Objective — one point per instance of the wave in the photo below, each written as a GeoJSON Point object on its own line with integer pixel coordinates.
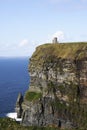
{"type": "Point", "coordinates": [13, 115]}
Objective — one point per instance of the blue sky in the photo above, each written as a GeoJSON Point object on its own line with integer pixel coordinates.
{"type": "Point", "coordinates": [25, 24]}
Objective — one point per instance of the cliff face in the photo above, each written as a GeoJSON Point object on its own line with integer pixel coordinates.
{"type": "Point", "coordinates": [58, 86]}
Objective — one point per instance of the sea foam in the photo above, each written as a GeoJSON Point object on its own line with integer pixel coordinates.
{"type": "Point", "coordinates": [13, 115]}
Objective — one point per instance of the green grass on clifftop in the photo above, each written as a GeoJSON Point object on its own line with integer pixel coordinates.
{"type": "Point", "coordinates": [61, 50]}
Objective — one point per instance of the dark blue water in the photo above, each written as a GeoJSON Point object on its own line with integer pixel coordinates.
{"type": "Point", "coordinates": [14, 78]}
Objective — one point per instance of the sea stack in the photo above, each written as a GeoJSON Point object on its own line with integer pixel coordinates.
{"type": "Point", "coordinates": [18, 107]}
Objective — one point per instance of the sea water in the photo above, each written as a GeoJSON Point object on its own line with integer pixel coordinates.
{"type": "Point", "coordinates": [14, 78]}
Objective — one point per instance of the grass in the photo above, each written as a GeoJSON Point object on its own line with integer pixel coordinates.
{"type": "Point", "coordinates": [9, 124]}
{"type": "Point", "coordinates": [32, 96]}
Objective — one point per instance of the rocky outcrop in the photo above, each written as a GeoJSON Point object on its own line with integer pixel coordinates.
{"type": "Point", "coordinates": [18, 107]}
{"type": "Point", "coordinates": [58, 86]}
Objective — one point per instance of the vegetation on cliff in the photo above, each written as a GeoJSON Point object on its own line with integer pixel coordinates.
{"type": "Point", "coordinates": [9, 124]}
{"type": "Point", "coordinates": [32, 96]}
{"type": "Point", "coordinates": [73, 110]}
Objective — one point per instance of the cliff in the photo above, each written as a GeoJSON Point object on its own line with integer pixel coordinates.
{"type": "Point", "coordinates": [58, 86]}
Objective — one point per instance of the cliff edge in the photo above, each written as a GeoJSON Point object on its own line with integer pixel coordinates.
{"type": "Point", "coordinates": [58, 86]}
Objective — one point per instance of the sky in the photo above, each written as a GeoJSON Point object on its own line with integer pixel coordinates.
{"type": "Point", "coordinates": [25, 24]}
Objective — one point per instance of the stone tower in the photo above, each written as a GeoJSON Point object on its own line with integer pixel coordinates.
{"type": "Point", "coordinates": [55, 40]}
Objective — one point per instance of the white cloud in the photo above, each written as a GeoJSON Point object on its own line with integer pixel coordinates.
{"type": "Point", "coordinates": [59, 35]}
{"type": "Point", "coordinates": [23, 43]}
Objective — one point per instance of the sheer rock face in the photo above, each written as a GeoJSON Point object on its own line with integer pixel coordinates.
{"type": "Point", "coordinates": [61, 72]}
{"type": "Point", "coordinates": [62, 80]}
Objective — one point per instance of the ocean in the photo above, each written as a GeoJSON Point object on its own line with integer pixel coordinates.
{"type": "Point", "coordinates": [14, 78]}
